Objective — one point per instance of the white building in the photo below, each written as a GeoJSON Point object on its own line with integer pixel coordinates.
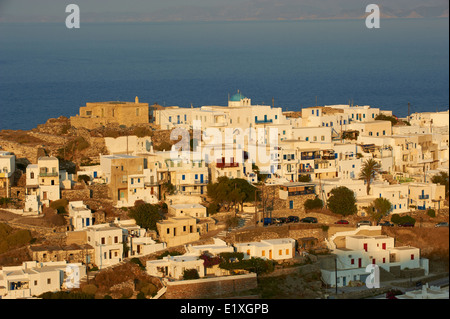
{"type": "Point", "coordinates": [217, 248]}
{"type": "Point", "coordinates": [137, 239]}
{"type": "Point", "coordinates": [174, 266]}
{"type": "Point", "coordinates": [107, 241]}
{"type": "Point", "coordinates": [193, 210]}
{"type": "Point", "coordinates": [80, 215]}
{"type": "Point", "coordinates": [33, 278]}
{"type": "Point", "coordinates": [43, 179]}
{"type": "Point", "coordinates": [7, 169]}
{"type": "Point", "coordinates": [358, 251]}
{"type": "Point", "coordinates": [273, 249]}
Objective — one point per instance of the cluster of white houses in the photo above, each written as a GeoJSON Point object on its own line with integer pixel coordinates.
{"type": "Point", "coordinates": [327, 143]}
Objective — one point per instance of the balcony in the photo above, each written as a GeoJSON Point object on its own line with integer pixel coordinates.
{"type": "Point", "coordinates": [201, 182]}
{"type": "Point", "coordinates": [424, 196]}
{"type": "Point", "coordinates": [227, 165]}
{"type": "Point", "coordinates": [265, 121]}
{"type": "Point", "coordinates": [309, 157]}
{"type": "Point", "coordinates": [48, 174]}
{"type": "Point", "coordinates": [306, 170]}
{"type": "Point", "coordinates": [328, 157]}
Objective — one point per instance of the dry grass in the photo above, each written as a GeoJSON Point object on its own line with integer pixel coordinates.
{"type": "Point", "coordinates": [20, 137]}
{"type": "Point", "coordinates": [433, 243]}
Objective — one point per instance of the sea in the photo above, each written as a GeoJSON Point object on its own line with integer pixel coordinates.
{"type": "Point", "coordinates": [48, 70]}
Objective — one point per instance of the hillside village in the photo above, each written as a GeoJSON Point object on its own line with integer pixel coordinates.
{"type": "Point", "coordinates": [109, 193]}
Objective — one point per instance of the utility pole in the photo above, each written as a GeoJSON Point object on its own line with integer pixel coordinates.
{"type": "Point", "coordinates": [335, 274]}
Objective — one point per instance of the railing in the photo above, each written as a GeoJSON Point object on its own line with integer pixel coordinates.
{"type": "Point", "coordinates": [424, 196]}
{"type": "Point", "coordinates": [227, 165]}
{"type": "Point", "coordinates": [306, 192]}
{"type": "Point", "coordinates": [310, 157]}
{"type": "Point", "coordinates": [48, 174]}
{"type": "Point", "coordinates": [306, 170]}
{"type": "Point", "coordinates": [328, 157]}
{"type": "Point", "coordinates": [205, 181]}
{"type": "Point", "coordinates": [263, 121]}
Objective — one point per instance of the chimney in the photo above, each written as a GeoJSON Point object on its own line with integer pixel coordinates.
{"type": "Point", "coordinates": [136, 100]}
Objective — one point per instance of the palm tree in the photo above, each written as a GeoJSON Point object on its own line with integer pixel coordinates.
{"type": "Point", "coordinates": [368, 171]}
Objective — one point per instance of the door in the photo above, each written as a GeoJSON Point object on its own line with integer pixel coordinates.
{"type": "Point", "coordinates": [291, 204]}
{"type": "Point", "coordinates": [270, 254]}
{"type": "Point", "coordinates": [365, 247]}
{"type": "Point", "coordinates": [359, 263]}
{"type": "Point", "coordinates": [201, 178]}
{"type": "Point", "coordinates": [95, 174]}
{"type": "Point", "coordinates": [44, 195]}
{"type": "Point", "coordinates": [344, 281]}
{"type": "Point", "coordinates": [383, 246]}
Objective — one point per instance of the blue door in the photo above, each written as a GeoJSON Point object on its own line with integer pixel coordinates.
{"type": "Point", "coordinates": [95, 174]}
{"type": "Point", "coordinates": [201, 178]}
{"type": "Point", "coordinates": [291, 204]}
{"type": "Point", "coordinates": [87, 221]}
{"type": "Point", "coordinates": [344, 281]}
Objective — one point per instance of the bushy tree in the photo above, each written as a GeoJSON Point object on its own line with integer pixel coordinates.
{"type": "Point", "coordinates": [146, 215]}
{"type": "Point", "coordinates": [190, 274]}
{"type": "Point", "coordinates": [313, 203]}
{"type": "Point", "coordinates": [379, 208]}
{"type": "Point", "coordinates": [342, 201]}
{"type": "Point", "coordinates": [231, 192]}
{"type": "Point", "coordinates": [441, 179]}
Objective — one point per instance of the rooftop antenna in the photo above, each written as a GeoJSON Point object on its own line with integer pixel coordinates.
{"type": "Point", "coordinates": [409, 110]}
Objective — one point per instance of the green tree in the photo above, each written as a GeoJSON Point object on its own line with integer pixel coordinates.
{"type": "Point", "coordinates": [231, 192]}
{"type": "Point", "coordinates": [379, 208]}
{"type": "Point", "coordinates": [146, 215]}
{"type": "Point", "coordinates": [305, 178]}
{"type": "Point", "coordinates": [441, 179]}
{"type": "Point", "coordinates": [342, 201]}
{"type": "Point", "coordinates": [368, 172]}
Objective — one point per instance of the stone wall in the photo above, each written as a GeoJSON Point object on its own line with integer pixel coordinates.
{"type": "Point", "coordinates": [76, 194]}
{"type": "Point", "coordinates": [99, 191]}
{"type": "Point", "coordinates": [210, 287]}
{"type": "Point", "coordinates": [295, 231]}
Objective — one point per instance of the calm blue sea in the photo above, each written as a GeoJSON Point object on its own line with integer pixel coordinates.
{"type": "Point", "coordinates": [47, 70]}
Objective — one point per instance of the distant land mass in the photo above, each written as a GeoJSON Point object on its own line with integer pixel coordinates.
{"type": "Point", "coordinates": [222, 10]}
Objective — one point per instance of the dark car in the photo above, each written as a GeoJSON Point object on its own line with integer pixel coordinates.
{"type": "Point", "coordinates": [385, 223]}
{"type": "Point", "coordinates": [364, 223]}
{"type": "Point", "coordinates": [406, 225]}
{"type": "Point", "coordinates": [311, 220]}
{"type": "Point", "coordinates": [441, 224]}
{"type": "Point", "coordinates": [282, 220]}
{"type": "Point", "coordinates": [293, 219]}
{"type": "Point", "coordinates": [342, 222]}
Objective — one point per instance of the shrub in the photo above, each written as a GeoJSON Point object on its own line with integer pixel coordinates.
{"type": "Point", "coordinates": [342, 201]}
{"type": "Point", "coordinates": [56, 204]}
{"type": "Point", "coordinates": [19, 238]}
{"type": "Point", "coordinates": [395, 218]}
{"type": "Point", "coordinates": [190, 274]}
{"type": "Point", "coordinates": [89, 289]}
{"type": "Point", "coordinates": [141, 295]}
{"type": "Point", "coordinates": [149, 290]}
{"type": "Point", "coordinates": [84, 178]}
{"type": "Point", "coordinates": [107, 297]}
{"type": "Point", "coordinates": [313, 203]}
{"type": "Point", "coordinates": [431, 213]}
{"type": "Point", "coordinates": [126, 292]}
{"type": "Point", "coordinates": [138, 262]}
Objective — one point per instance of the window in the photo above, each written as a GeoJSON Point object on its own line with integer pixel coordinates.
{"type": "Point", "coordinates": [263, 253]}
{"type": "Point", "coordinates": [184, 228]}
{"type": "Point", "coordinates": [32, 175]}
{"type": "Point", "coordinates": [287, 251]}
{"type": "Point", "coordinates": [35, 282]}
{"type": "Point", "coordinates": [168, 231]}
{"type": "Point", "coordinates": [49, 281]}
{"type": "Point", "coordinates": [280, 252]}
{"type": "Point", "coordinates": [103, 240]}
{"type": "Point", "coordinates": [412, 256]}
{"type": "Point", "coordinates": [116, 240]}
{"type": "Point", "coordinates": [183, 177]}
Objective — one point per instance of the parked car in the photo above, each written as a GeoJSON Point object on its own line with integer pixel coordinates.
{"type": "Point", "coordinates": [364, 223]}
{"type": "Point", "coordinates": [282, 220]}
{"type": "Point", "coordinates": [293, 219]}
{"type": "Point", "coordinates": [385, 223]}
{"type": "Point", "coordinates": [267, 221]}
{"type": "Point", "coordinates": [441, 224]}
{"type": "Point", "coordinates": [406, 225]}
{"type": "Point", "coordinates": [311, 220]}
{"type": "Point", "coordinates": [342, 221]}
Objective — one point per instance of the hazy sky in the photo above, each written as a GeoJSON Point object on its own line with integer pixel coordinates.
{"type": "Point", "coordinates": [176, 10]}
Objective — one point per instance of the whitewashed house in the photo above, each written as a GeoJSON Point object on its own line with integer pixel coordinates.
{"type": "Point", "coordinates": [272, 249]}
{"type": "Point", "coordinates": [80, 215]}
